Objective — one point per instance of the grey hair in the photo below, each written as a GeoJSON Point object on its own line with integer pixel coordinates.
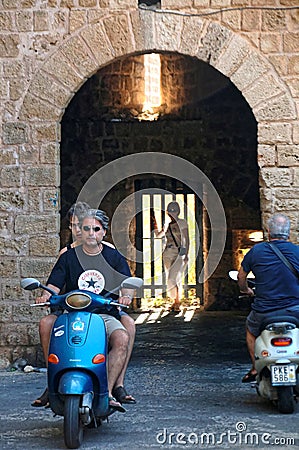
{"type": "Point", "coordinates": [99, 215]}
{"type": "Point", "coordinates": [78, 209]}
{"type": "Point", "coordinates": [279, 226]}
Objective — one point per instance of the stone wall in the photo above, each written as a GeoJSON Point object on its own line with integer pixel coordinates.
{"type": "Point", "coordinates": [48, 49]}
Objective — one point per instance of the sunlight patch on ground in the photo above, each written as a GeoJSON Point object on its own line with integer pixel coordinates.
{"type": "Point", "coordinates": [158, 314]}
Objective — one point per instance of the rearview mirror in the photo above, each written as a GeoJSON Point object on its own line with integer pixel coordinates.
{"type": "Point", "coordinates": [132, 283]}
{"type": "Point", "coordinates": [29, 284]}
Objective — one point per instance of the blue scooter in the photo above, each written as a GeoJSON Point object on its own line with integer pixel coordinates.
{"type": "Point", "coordinates": [77, 360]}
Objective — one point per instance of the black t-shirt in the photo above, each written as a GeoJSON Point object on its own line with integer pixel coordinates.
{"type": "Point", "coordinates": [101, 274]}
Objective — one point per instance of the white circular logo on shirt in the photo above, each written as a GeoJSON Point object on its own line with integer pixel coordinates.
{"type": "Point", "coordinates": [91, 280]}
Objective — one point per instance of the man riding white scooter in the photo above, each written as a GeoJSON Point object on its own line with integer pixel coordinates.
{"type": "Point", "coordinates": [276, 280]}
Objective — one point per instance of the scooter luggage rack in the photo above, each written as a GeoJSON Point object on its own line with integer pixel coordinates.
{"type": "Point", "coordinates": [280, 327]}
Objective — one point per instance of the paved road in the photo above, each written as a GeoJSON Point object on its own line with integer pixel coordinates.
{"type": "Point", "coordinates": [185, 373]}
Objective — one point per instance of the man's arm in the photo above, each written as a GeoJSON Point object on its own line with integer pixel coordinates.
{"type": "Point", "coordinates": [46, 295]}
{"type": "Point", "coordinates": [242, 282]}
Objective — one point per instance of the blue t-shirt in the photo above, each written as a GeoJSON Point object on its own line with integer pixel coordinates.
{"type": "Point", "coordinates": [276, 286]}
{"type": "Point", "coordinates": [101, 274]}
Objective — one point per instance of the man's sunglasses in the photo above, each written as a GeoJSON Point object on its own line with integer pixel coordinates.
{"type": "Point", "coordinates": [88, 228]}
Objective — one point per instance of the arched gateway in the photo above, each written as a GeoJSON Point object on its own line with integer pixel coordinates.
{"type": "Point", "coordinates": [52, 85]}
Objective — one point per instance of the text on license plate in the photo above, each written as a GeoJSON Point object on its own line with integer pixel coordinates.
{"type": "Point", "coordinates": [283, 374]}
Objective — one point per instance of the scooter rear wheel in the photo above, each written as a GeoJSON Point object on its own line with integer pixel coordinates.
{"type": "Point", "coordinates": [285, 400]}
{"type": "Point", "coordinates": [73, 427]}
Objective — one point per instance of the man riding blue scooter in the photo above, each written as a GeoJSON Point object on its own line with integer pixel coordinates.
{"type": "Point", "coordinates": [100, 269]}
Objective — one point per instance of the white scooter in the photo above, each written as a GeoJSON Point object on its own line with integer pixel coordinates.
{"type": "Point", "coordinates": [277, 357]}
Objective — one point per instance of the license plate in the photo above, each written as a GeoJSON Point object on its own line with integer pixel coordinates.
{"type": "Point", "coordinates": [283, 375]}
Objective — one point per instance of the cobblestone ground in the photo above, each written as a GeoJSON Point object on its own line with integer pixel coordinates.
{"type": "Point", "coordinates": [185, 374]}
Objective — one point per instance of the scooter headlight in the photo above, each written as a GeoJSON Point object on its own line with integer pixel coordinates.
{"type": "Point", "coordinates": [78, 300]}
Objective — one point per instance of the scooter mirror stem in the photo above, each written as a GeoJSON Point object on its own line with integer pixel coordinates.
{"type": "Point", "coordinates": [46, 288]}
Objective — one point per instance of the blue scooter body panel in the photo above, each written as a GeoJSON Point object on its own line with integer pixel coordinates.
{"type": "Point", "coordinates": [76, 338]}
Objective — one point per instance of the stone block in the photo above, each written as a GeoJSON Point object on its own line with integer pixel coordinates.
{"type": "Point", "coordinates": [11, 199]}
{"type": "Point", "coordinates": [8, 156]}
{"type": "Point", "coordinates": [280, 63]}
{"type": "Point", "coordinates": [296, 133]}
{"type": "Point", "coordinates": [293, 67]}
{"type": "Point", "coordinates": [271, 43]}
{"type": "Point", "coordinates": [271, 133]}
{"type": "Point", "coordinates": [97, 40]}
{"type": "Point", "coordinates": [296, 176]}
{"type": "Point", "coordinates": [28, 154]}
{"type": "Point", "coordinates": [251, 19]}
{"type": "Point", "coordinates": [251, 68]}
{"type": "Point", "coordinates": [176, 4]}
{"type": "Point", "coordinates": [6, 21]}
{"type": "Point", "coordinates": [232, 57]}
{"type": "Point", "coordinates": [45, 132]}
{"type": "Point", "coordinates": [37, 267]}
{"type": "Point", "coordinates": [35, 225]}
{"type": "Point", "coordinates": [201, 3]}
{"type": "Point", "coordinates": [88, 3]}
{"type": "Point", "coordinates": [79, 56]}
{"type": "Point", "coordinates": [276, 109]}
{"type": "Point", "coordinates": [78, 18]}
{"type": "Point", "coordinates": [294, 86]}
{"type": "Point", "coordinates": [10, 176]}
{"type": "Point", "coordinates": [50, 200]}
{"type": "Point", "coordinates": [10, 4]}
{"type": "Point", "coordinates": [266, 155]}
{"type": "Point", "coordinates": [33, 107]}
{"type": "Point", "coordinates": [43, 246]}
{"type": "Point", "coordinates": [262, 89]}
{"type": "Point", "coordinates": [191, 35]}
{"type": "Point", "coordinates": [41, 21]}
{"type": "Point", "coordinates": [16, 88]}
{"type": "Point", "coordinates": [273, 20]}
{"type": "Point", "coordinates": [60, 67]}
{"type": "Point", "coordinates": [11, 290]}
{"type": "Point", "coordinates": [44, 175]}
{"type": "Point", "coordinates": [50, 153]}
{"type": "Point", "coordinates": [213, 43]}
{"type": "Point", "coordinates": [24, 21]}
{"type": "Point", "coordinates": [13, 247]}
{"type": "Point", "coordinates": [15, 133]}
{"type": "Point", "coordinates": [143, 28]}
{"type": "Point", "coordinates": [5, 357]}
{"type": "Point", "coordinates": [232, 19]}
{"type": "Point", "coordinates": [291, 42]}
{"type": "Point", "coordinates": [274, 176]}
{"type": "Point", "coordinates": [9, 267]}
{"type": "Point", "coordinates": [9, 45]}
{"type": "Point", "coordinates": [15, 335]}
{"type": "Point", "coordinates": [118, 31]}
{"type": "Point", "coordinates": [13, 69]}
{"type": "Point", "coordinates": [4, 89]}
{"type": "Point", "coordinates": [57, 95]}
{"type": "Point", "coordinates": [288, 155]}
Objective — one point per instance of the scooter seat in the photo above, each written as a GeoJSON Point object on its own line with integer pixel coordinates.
{"type": "Point", "coordinates": [277, 317]}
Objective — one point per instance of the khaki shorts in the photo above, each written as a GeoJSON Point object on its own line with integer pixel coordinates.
{"type": "Point", "coordinates": [111, 324]}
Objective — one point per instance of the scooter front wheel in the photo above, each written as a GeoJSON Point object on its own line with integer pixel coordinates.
{"type": "Point", "coordinates": [73, 427]}
{"type": "Point", "coordinates": [285, 400]}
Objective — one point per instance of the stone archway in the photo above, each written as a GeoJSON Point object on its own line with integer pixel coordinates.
{"type": "Point", "coordinates": [95, 46]}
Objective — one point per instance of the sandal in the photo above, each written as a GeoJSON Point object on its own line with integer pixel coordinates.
{"type": "Point", "coordinates": [122, 396]}
{"type": "Point", "coordinates": [249, 377]}
{"type": "Point", "coordinates": [43, 400]}
{"type": "Point", "coordinates": [115, 405]}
